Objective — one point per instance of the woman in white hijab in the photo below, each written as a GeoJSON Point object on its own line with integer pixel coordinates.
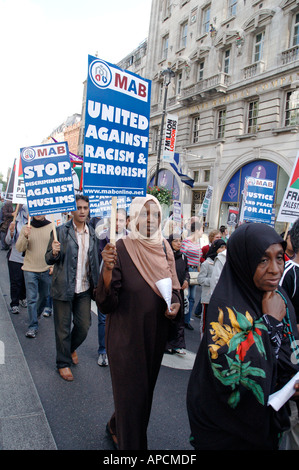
{"type": "Point", "coordinates": [138, 319]}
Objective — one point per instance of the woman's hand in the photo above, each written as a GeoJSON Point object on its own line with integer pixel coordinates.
{"type": "Point", "coordinates": [174, 308]}
{"type": "Point", "coordinates": [296, 394]}
{"type": "Point", "coordinates": [109, 256]}
{"type": "Point", "coordinates": [273, 305]}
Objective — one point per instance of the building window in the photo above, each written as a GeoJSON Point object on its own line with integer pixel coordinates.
{"type": "Point", "coordinates": [196, 176]}
{"type": "Point", "coordinates": [184, 33]}
{"type": "Point", "coordinates": [258, 47]}
{"type": "Point", "coordinates": [226, 61]}
{"type": "Point", "coordinates": [155, 139]}
{"type": "Point", "coordinates": [165, 47]}
{"type": "Point", "coordinates": [195, 129]}
{"type": "Point", "coordinates": [221, 123]}
{"type": "Point", "coordinates": [179, 83]}
{"type": "Point", "coordinates": [201, 66]}
{"type": "Point", "coordinates": [166, 9]}
{"type": "Point", "coordinates": [206, 14]}
{"type": "Point", "coordinates": [232, 7]}
{"type": "Point", "coordinates": [160, 92]}
{"type": "Point", "coordinates": [296, 31]}
{"type": "Point", "coordinates": [206, 176]}
{"type": "Point", "coordinates": [292, 109]}
{"type": "Point", "coordinates": [253, 109]}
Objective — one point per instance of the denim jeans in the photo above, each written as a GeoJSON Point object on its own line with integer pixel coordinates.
{"type": "Point", "coordinates": [37, 291]}
{"type": "Point", "coordinates": [69, 339]}
{"type": "Point", "coordinates": [101, 332]}
{"type": "Point", "coordinates": [191, 298]}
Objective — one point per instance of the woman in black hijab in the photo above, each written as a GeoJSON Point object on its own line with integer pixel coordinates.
{"type": "Point", "coordinates": [176, 343]}
{"type": "Point", "coordinates": [246, 351]}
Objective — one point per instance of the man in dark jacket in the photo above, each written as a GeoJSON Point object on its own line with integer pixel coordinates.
{"type": "Point", "coordinates": [75, 258]}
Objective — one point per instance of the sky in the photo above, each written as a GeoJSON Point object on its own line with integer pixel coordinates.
{"type": "Point", "coordinates": [44, 48]}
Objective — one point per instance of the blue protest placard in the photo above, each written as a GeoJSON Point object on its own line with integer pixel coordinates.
{"type": "Point", "coordinates": [258, 200]}
{"type": "Point", "coordinates": [116, 131]}
{"type": "Point", "coordinates": [101, 206]}
{"type": "Point", "coordinates": [48, 179]}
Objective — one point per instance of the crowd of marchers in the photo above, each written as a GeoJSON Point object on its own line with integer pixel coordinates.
{"type": "Point", "coordinates": [249, 315]}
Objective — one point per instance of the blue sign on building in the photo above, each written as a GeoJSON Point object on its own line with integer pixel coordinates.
{"type": "Point", "coordinates": [116, 131]}
{"type": "Point", "coordinates": [258, 200]}
{"type": "Point", "coordinates": [48, 179]}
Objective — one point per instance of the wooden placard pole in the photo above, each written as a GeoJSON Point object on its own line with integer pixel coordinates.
{"type": "Point", "coordinates": [113, 220]}
{"type": "Point", "coordinates": [54, 228]}
{"type": "Point", "coordinates": [16, 213]}
{"type": "Point", "coordinates": [286, 231]}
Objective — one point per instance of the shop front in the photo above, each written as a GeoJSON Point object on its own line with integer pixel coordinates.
{"type": "Point", "coordinates": [231, 200]}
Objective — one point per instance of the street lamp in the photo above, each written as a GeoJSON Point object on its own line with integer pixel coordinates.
{"type": "Point", "coordinates": [168, 74]}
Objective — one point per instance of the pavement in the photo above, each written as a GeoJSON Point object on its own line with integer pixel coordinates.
{"type": "Point", "coordinates": [23, 422]}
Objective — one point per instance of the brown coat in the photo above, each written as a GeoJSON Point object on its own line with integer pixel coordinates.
{"type": "Point", "coordinates": [136, 335]}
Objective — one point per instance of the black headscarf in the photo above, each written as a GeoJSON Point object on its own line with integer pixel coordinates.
{"type": "Point", "coordinates": [245, 248]}
{"type": "Point", "coordinates": [212, 253]}
{"type": "Point", "coordinates": [236, 368]}
{"type": "Point", "coordinates": [180, 261]}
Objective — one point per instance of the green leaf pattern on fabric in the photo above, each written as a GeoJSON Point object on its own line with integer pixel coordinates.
{"type": "Point", "coordinates": [240, 335]}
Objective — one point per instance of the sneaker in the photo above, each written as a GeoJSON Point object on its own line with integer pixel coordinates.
{"type": "Point", "coordinates": [23, 303]}
{"type": "Point", "coordinates": [103, 360]}
{"type": "Point", "coordinates": [31, 334]}
{"type": "Point", "coordinates": [15, 309]}
{"type": "Point", "coordinates": [179, 351]}
{"type": "Point", "coordinates": [47, 312]}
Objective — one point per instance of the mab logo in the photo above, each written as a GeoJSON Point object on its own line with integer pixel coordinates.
{"type": "Point", "coordinates": [28, 154]}
{"type": "Point", "coordinates": [100, 73]}
{"type": "Point", "coordinates": [103, 76]}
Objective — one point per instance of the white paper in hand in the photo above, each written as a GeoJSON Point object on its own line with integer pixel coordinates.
{"type": "Point", "coordinates": [278, 399]}
{"type": "Point", "coordinates": [165, 288]}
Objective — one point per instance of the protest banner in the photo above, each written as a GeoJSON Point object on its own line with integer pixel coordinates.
{"type": "Point", "coordinates": [19, 192]}
{"type": "Point", "coordinates": [258, 198]}
{"type": "Point", "coordinates": [170, 138]}
{"type": "Point", "coordinates": [289, 208]}
{"type": "Point", "coordinates": [116, 131]}
{"type": "Point", "coordinates": [233, 216]}
{"type": "Point", "coordinates": [9, 187]}
{"type": "Point", "coordinates": [100, 206]}
{"type": "Point", "coordinates": [206, 202]}
{"type": "Point", "coordinates": [48, 179]}
{"type": "Point", "coordinates": [177, 218]}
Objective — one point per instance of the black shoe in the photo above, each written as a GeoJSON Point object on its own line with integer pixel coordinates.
{"type": "Point", "coordinates": [188, 326]}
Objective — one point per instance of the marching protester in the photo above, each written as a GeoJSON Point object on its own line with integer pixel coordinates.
{"type": "Point", "coordinates": [138, 319]}
{"type": "Point", "coordinates": [219, 262]}
{"type": "Point", "coordinates": [290, 283]}
{"type": "Point", "coordinates": [33, 241]}
{"type": "Point", "coordinates": [192, 249]}
{"type": "Point", "coordinates": [15, 261]}
{"type": "Point", "coordinates": [176, 344]}
{"type": "Point", "coordinates": [289, 252]}
{"type": "Point", "coordinates": [205, 275]}
{"type": "Point", "coordinates": [104, 238]}
{"type": "Point", "coordinates": [224, 232]}
{"type": "Point", "coordinates": [246, 352]}
{"type": "Point", "coordinates": [75, 258]}
{"type": "Point", "coordinates": [213, 235]}
{"type": "Point", "coordinates": [7, 212]}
